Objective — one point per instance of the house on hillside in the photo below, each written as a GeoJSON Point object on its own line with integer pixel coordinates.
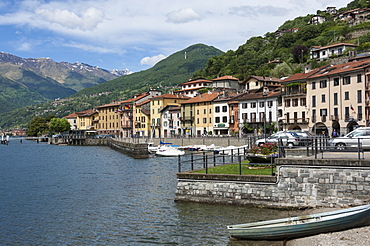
{"type": "Point", "coordinates": [191, 87]}
{"type": "Point", "coordinates": [254, 83]}
{"type": "Point", "coordinates": [318, 19]}
{"type": "Point", "coordinates": [321, 53]}
{"type": "Point", "coordinates": [355, 16]}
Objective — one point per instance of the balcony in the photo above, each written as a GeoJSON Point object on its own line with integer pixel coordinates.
{"type": "Point", "coordinates": [295, 121]}
{"type": "Point", "coordinates": [126, 126]}
{"type": "Point", "coordinates": [187, 118]}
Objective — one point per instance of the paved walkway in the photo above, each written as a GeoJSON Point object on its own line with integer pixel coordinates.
{"type": "Point", "coordinates": [354, 155]}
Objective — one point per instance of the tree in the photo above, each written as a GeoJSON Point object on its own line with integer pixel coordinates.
{"type": "Point", "coordinates": [299, 52]}
{"type": "Point", "coordinates": [37, 126]}
{"type": "Point", "coordinates": [59, 125]}
{"type": "Point", "coordinates": [281, 70]}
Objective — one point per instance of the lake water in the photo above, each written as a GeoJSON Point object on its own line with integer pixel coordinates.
{"type": "Point", "coordinates": [77, 195]}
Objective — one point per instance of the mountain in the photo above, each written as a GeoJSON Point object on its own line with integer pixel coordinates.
{"type": "Point", "coordinates": [166, 74]}
{"type": "Point", "coordinates": [45, 80]}
{"type": "Point", "coordinates": [75, 76]}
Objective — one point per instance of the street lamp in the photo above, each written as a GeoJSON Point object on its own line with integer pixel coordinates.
{"type": "Point", "coordinates": [264, 94]}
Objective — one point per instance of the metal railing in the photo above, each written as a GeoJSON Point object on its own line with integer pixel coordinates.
{"type": "Point", "coordinates": [206, 160]}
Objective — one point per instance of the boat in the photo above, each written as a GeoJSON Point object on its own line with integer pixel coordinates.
{"type": "Point", "coordinates": [152, 149]}
{"type": "Point", "coordinates": [301, 226]}
{"type": "Point", "coordinates": [169, 151]}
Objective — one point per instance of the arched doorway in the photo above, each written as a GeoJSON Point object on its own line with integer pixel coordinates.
{"type": "Point", "coordinates": [295, 127]}
{"type": "Point", "coordinates": [336, 127]}
{"type": "Point", "coordinates": [320, 129]}
{"type": "Point", "coordinates": [352, 125]}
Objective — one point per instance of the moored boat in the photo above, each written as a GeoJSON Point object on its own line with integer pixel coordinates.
{"type": "Point", "coordinates": [301, 226]}
{"type": "Point", "coordinates": [169, 151]}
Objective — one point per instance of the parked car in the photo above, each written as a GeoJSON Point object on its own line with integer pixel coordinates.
{"type": "Point", "coordinates": [105, 136]}
{"type": "Point", "coordinates": [305, 138]}
{"type": "Point", "coordinates": [352, 140]}
{"type": "Point", "coordinates": [289, 139]}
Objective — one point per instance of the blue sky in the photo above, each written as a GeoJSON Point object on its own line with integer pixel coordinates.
{"type": "Point", "coordinates": [135, 34]}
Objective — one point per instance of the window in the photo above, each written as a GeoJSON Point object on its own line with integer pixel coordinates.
{"type": "Point", "coordinates": [244, 105]}
{"type": "Point", "coordinates": [205, 111]}
{"type": "Point", "coordinates": [224, 119]}
{"type": "Point", "coordinates": [336, 81]}
{"type": "Point", "coordinates": [335, 111]}
{"type": "Point", "coordinates": [313, 85]}
{"type": "Point", "coordinates": [204, 120]}
{"type": "Point", "coordinates": [262, 104]}
{"type": "Point", "coordinates": [287, 102]}
{"type": "Point", "coordinates": [197, 111]}
{"type": "Point", "coordinates": [253, 105]}
{"type": "Point", "coordinates": [303, 101]}
{"type": "Point", "coordinates": [313, 101]}
{"type": "Point", "coordinates": [244, 117]}
{"type": "Point", "coordinates": [346, 80]}
{"type": "Point", "coordinates": [359, 96]}
{"type": "Point", "coordinates": [197, 120]}
{"type": "Point", "coordinates": [217, 109]}
{"type": "Point", "coordinates": [224, 108]}
{"type": "Point", "coordinates": [359, 78]}
{"type": "Point", "coordinates": [346, 95]}
{"type": "Point", "coordinates": [323, 99]}
{"type": "Point", "coordinates": [217, 120]}
{"type": "Point", "coordinates": [270, 103]}
{"type": "Point", "coordinates": [335, 99]}
{"type": "Point", "coordinates": [323, 112]}
{"type": "Point", "coordinates": [295, 102]}
{"type": "Point", "coordinates": [323, 83]}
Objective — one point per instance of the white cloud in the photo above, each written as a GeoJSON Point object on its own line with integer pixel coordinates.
{"type": "Point", "coordinates": [253, 11]}
{"type": "Point", "coordinates": [92, 48]}
{"type": "Point", "coordinates": [87, 21]}
{"type": "Point", "coordinates": [151, 61]}
{"type": "Point", "coordinates": [25, 47]}
{"type": "Point", "coordinates": [183, 16]}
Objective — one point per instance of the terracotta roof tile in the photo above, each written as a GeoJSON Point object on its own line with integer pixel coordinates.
{"type": "Point", "coordinates": [205, 97]}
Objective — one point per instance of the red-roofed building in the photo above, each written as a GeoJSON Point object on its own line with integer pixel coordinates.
{"type": "Point", "coordinates": [328, 98]}
{"type": "Point", "coordinates": [321, 53]}
{"type": "Point", "coordinates": [191, 87]}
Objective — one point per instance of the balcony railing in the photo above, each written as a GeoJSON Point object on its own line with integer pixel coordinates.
{"type": "Point", "coordinates": [187, 118]}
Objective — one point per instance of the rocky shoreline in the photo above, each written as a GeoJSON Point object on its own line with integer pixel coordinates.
{"type": "Point", "coordinates": [353, 237]}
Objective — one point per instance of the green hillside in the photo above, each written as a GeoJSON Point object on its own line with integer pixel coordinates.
{"type": "Point", "coordinates": [270, 55]}
{"type": "Point", "coordinates": [165, 75]}
{"type": "Point", "coordinates": [14, 95]}
{"type": "Point", "coordinates": [169, 72]}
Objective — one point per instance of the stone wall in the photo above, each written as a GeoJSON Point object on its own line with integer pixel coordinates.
{"type": "Point", "coordinates": [294, 186]}
{"type": "Point", "coordinates": [135, 150]}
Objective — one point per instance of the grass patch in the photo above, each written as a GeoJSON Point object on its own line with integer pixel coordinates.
{"type": "Point", "coordinates": [234, 169]}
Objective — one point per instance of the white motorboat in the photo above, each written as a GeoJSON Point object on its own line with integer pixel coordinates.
{"type": "Point", "coordinates": [152, 149]}
{"type": "Point", "coordinates": [169, 151]}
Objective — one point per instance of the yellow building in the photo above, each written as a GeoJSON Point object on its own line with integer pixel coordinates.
{"type": "Point", "coordinates": [142, 119]}
{"type": "Point", "coordinates": [109, 120]}
{"type": "Point", "coordinates": [86, 120]}
{"type": "Point", "coordinates": [156, 105]}
{"type": "Point", "coordinates": [197, 114]}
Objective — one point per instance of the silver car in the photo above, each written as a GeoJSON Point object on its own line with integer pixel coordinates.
{"type": "Point", "coordinates": [360, 136]}
{"type": "Point", "coordinates": [289, 139]}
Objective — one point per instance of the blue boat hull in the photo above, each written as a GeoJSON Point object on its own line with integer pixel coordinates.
{"type": "Point", "coordinates": [302, 226]}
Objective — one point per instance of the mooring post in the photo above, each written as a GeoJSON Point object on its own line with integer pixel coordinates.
{"type": "Point", "coordinates": [179, 162]}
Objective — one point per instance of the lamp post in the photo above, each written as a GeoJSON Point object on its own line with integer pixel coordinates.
{"type": "Point", "coordinates": [264, 94]}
